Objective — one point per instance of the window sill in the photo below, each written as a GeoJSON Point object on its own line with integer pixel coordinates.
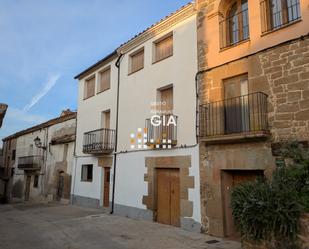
{"type": "Point", "coordinates": [234, 45]}
{"type": "Point", "coordinates": [236, 137]}
{"type": "Point", "coordinates": [133, 72]}
{"type": "Point", "coordinates": [281, 27]}
{"type": "Point", "coordinates": [89, 97]}
{"type": "Point", "coordinates": [103, 91]}
{"type": "Point", "coordinates": [156, 61]}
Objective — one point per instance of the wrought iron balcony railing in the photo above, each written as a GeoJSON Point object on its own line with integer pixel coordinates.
{"type": "Point", "coordinates": [162, 131]}
{"type": "Point", "coordinates": [99, 141]}
{"type": "Point", "coordinates": [30, 162]}
{"type": "Point", "coordinates": [276, 13]}
{"type": "Point", "coordinates": [244, 114]}
{"type": "Point", "coordinates": [234, 29]}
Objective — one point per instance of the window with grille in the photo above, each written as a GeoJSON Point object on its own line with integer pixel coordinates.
{"type": "Point", "coordinates": [278, 13]}
{"type": "Point", "coordinates": [235, 27]}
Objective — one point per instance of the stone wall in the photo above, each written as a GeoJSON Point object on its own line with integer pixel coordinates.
{"type": "Point", "coordinates": [282, 72]}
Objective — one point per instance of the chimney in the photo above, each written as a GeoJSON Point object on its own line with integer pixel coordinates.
{"type": "Point", "coordinates": [65, 112]}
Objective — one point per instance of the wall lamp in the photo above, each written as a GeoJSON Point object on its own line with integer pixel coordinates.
{"type": "Point", "coordinates": [38, 143]}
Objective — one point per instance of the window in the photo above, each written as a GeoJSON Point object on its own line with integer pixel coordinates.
{"type": "Point", "coordinates": [235, 27]}
{"type": "Point", "coordinates": [136, 61]}
{"type": "Point", "coordinates": [13, 155]}
{"type": "Point", "coordinates": [36, 181]}
{"type": "Point", "coordinates": [89, 88]}
{"type": "Point", "coordinates": [87, 173]}
{"type": "Point", "coordinates": [163, 48]}
{"type": "Point", "coordinates": [277, 13]}
{"type": "Point", "coordinates": [104, 80]}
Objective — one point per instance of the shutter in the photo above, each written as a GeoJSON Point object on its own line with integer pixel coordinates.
{"type": "Point", "coordinates": [105, 77]}
{"type": "Point", "coordinates": [164, 48]}
{"type": "Point", "coordinates": [137, 61]}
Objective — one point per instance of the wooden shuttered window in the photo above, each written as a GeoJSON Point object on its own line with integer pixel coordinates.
{"type": "Point", "coordinates": [137, 61]}
{"type": "Point", "coordinates": [105, 80]}
{"type": "Point", "coordinates": [164, 48]}
{"type": "Point", "coordinates": [89, 90]}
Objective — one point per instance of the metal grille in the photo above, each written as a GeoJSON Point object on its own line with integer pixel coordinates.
{"type": "Point", "coordinates": [163, 134]}
{"type": "Point", "coordinates": [241, 114]}
{"type": "Point", "coordinates": [277, 13]}
{"type": "Point", "coordinates": [99, 141]}
{"type": "Point", "coordinates": [234, 29]}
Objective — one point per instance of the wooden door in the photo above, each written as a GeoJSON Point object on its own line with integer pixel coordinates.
{"type": "Point", "coordinates": [60, 186]}
{"type": "Point", "coordinates": [105, 124]}
{"type": "Point", "coordinates": [167, 101]}
{"type": "Point", "coordinates": [27, 187]}
{"type": "Point", "coordinates": [168, 197]}
{"type": "Point", "coordinates": [106, 187]}
{"type": "Point", "coordinates": [229, 180]}
{"type": "Point", "coordinates": [236, 104]}
{"type": "Point", "coordinates": [107, 119]}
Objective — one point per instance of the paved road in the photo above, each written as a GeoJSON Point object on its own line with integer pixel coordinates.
{"type": "Point", "coordinates": [53, 226]}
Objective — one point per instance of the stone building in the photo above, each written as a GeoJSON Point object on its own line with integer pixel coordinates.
{"type": "Point", "coordinates": [3, 108]}
{"type": "Point", "coordinates": [38, 161]}
{"type": "Point", "coordinates": [253, 94]}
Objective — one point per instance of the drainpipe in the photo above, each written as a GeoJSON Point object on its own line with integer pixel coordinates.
{"type": "Point", "coordinates": [197, 103]}
{"type": "Point", "coordinates": [117, 64]}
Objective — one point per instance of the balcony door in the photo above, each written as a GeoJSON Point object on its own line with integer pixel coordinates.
{"type": "Point", "coordinates": [166, 98]}
{"type": "Point", "coordinates": [105, 125]}
{"type": "Point", "coordinates": [167, 102]}
{"type": "Point", "coordinates": [236, 109]}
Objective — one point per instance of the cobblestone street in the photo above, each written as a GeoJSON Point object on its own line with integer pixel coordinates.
{"type": "Point", "coordinates": [51, 226]}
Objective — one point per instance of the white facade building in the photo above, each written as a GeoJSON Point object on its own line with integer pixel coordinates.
{"type": "Point", "coordinates": [156, 172]}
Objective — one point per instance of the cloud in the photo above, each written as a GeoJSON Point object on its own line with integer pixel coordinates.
{"type": "Point", "coordinates": [51, 81]}
{"type": "Point", "coordinates": [23, 116]}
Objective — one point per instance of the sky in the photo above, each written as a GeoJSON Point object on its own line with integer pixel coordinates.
{"type": "Point", "coordinates": [45, 43]}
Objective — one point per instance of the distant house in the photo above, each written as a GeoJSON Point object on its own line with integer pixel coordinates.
{"type": "Point", "coordinates": [3, 108]}
{"type": "Point", "coordinates": [38, 161]}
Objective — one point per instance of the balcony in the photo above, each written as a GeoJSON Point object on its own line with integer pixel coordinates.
{"type": "Point", "coordinates": [234, 119]}
{"type": "Point", "coordinates": [234, 29]}
{"type": "Point", "coordinates": [161, 131]}
{"type": "Point", "coordinates": [30, 162]}
{"type": "Point", "coordinates": [101, 141]}
{"type": "Point", "coordinates": [277, 14]}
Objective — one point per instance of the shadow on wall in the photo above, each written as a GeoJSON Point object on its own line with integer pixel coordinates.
{"type": "Point", "coordinates": [17, 190]}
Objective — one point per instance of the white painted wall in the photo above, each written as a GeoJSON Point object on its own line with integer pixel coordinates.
{"type": "Point", "coordinates": [130, 184]}
{"type": "Point", "coordinates": [139, 89]}
{"type": "Point", "coordinates": [87, 189]}
{"type": "Point", "coordinates": [89, 110]}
